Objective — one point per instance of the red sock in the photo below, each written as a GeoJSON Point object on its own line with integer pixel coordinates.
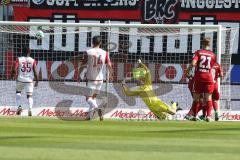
{"type": "Point", "coordinates": [215, 106]}
{"type": "Point", "coordinates": [201, 106]}
{"type": "Point", "coordinates": [190, 112]}
{"type": "Point", "coordinates": [195, 107]}
{"type": "Point", "coordinates": [209, 108]}
{"type": "Point", "coordinates": [204, 111]}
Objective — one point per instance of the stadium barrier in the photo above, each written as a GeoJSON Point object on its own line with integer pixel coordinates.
{"type": "Point", "coordinates": [118, 113]}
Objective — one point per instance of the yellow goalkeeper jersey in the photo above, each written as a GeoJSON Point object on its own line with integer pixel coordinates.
{"type": "Point", "coordinates": [147, 94]}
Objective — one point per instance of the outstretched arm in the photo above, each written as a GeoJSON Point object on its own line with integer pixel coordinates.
{"type": "Point", "coordinates": [82, 65]}
{"type": "Point", "coordinates": [110, 71]}
{"type": "Point", "coordinates": [148, 77]}
{"type": "Point", "coordinates": [142, 65]}
{"type": "Point", "coordinates": [35, 74]}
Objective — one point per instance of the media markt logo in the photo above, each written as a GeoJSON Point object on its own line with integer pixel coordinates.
{"type": "Point", "coordinates": [38, 2]}
{"type": "Point", "coordinates": [160, 11]}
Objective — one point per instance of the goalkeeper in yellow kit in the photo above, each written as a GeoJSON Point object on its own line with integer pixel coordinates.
{"type": "Point", "coordinates": [145, 91]}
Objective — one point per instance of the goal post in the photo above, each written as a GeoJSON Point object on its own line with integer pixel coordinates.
{"type": "Point", "coordinates": [166, 49]}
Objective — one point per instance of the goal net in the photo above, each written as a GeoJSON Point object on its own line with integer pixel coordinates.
{"type": "Point", "coordinates": [167, 50]}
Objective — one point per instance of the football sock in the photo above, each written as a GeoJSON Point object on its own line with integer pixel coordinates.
{"type": "Point", "coordinates": [215, 106]}
{"type": "Point", "coordinates": [195, 107]}
{"type": "Point", "coordinates": [93, 105]}
{"type": "Point", "coordinates": [209, 108]}
{"type": "Point", "coordinates": [201, 106]}
{"type": "Point", "coordinates": [18, 99]}
{"type": "Point", "coordinates": [204, 111]}
{"type": "Point", "coordinates": [30, 103]}
{"type": "Point", "coordinates": [190, 113]}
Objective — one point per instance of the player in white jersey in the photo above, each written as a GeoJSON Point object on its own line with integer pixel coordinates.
{"type": "Point", "coordinates": [25, 70]}
{"type": "Point", "coordinates": [94, 60]}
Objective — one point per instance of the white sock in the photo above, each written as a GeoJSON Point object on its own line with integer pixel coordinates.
{"type": "Point", "coordinates": [93, 106]}
{"type": "Point", "coordinates": [30, 103]}
{"type": "Point", "coordinates": [18, 99]}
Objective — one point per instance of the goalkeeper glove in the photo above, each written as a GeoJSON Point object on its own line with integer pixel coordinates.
{"type": "Point", "coordinates": [139, 61]}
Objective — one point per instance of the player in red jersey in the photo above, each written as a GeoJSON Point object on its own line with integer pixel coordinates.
{"type": "Point", "coordinates": [203, 61]}
{"type": "Point", "coordinates": [217, 73]}
{"type": "Point", "coordinates": [25, 68]}
{"type": "Point", "coordinates": [189, 115]}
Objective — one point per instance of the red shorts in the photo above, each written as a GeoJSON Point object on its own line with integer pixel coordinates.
{"type": "Point", "coordinates": [203, 87]}
{"type": "Point", "coordinates": [215, 94]}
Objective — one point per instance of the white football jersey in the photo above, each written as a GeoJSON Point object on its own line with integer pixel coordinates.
{"type": "Point", "coordinates": [25, 69]}
{"type": "Point", "coordinates": [96, 58]}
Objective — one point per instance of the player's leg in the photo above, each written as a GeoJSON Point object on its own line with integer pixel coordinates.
{"type": "Point", "coordinates": [216, 97]}
{"type": "Point", "coordinates": [29, 91]}
{"type": "Point", "coordinates": [158, 111]}
{"type": "Point", "coordinates": [90, 99]}
{"type": "Point", "coordinates": [208, 99]}
{"type": "Point", "coordinates": [161, 109]}
{"type": "Point", "coordinates": [103, 103]}
{"type": "Point", "coordinates": [189, 115]}
{"type": "Point", "coordinates": [160, 115]}
{"type": "Point", "coordinates": [161, 106]}
{"type": "Point", "coordinates": [195, 105]}
{"type": "Point", "coordinates": [19, 88]}
{"type": "Point", "coordinates": [201, 90]}
{"type": "Point", "coordinates": [93, 90]}
{"type": "Point", "coordinates": [208, 89]}
{"type": "Point", "coordinates": [202, 107]}
{"type": "Point", "coordinates": [30, 104]}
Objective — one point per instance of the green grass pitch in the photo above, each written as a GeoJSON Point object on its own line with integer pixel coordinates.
{"type": "Point", "coordinates": [32, 138]}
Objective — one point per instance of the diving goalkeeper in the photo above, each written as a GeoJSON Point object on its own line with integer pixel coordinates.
{"type": "Point", "coordinates": [145, 91]}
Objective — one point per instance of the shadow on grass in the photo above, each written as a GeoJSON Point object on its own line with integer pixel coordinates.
{"type": "Point", "coordinates": [17, 137]}
{"type": "Point", "coordinates": [193, 130]}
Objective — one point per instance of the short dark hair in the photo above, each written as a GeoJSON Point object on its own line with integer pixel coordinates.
{"type": "Point", "coordinates": [25, 51]}
{"type": "Point", "coordinates": [96, 40]}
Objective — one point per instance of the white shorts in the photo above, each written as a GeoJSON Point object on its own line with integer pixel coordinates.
{"type": "Point", "coordinates": [28, 86]}
{"type": "Point", "coordinates": [94, 87]}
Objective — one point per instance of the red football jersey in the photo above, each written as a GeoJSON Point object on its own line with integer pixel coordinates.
{"type": "Point", "coordinates": [216, 71]}
{"type": "Point", "coordinates": [205, 62]}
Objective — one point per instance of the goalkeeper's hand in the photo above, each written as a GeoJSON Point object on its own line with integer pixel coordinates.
{"type": "Point", "coordinates": [139, 61]}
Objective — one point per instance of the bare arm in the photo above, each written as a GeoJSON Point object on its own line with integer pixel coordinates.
{"type": "Point", "coordinates": [190, 67]}
{"type": "Point", "coordinates": [14, 70]}
{"type": "Point", "coordinates": [110, 71]}
{"type": "Point", "coordinates": [82, 66]}
{"type": "Point", "coordinates": [35, 75]}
